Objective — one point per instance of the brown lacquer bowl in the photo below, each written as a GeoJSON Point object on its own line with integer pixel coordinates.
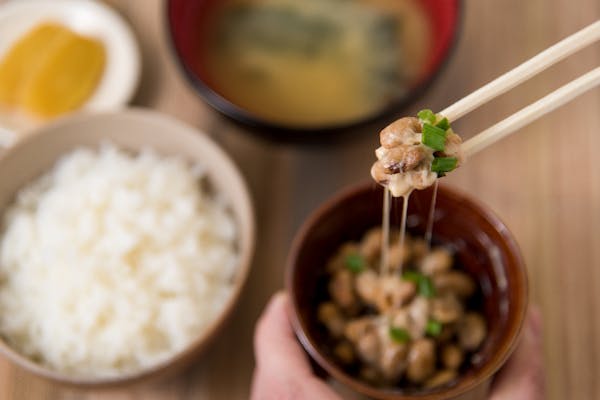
{"type": "Point", "coordinates": [484, 247]}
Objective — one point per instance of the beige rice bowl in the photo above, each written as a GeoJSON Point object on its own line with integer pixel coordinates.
{"type": "Point", "coordinates": [111, 262]}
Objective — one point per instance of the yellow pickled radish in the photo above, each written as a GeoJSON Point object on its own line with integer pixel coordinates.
{"type": "Point", "coordinates": [23, 59]}
{"type": "Point", "coordinates": [66, 78]}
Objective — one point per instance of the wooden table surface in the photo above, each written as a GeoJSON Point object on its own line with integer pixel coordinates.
{"type": "Point", "coordinates": [544, 182]}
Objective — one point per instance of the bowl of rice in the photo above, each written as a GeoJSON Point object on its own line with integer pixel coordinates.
{"type": "Point", "coordinates": [125, 241]}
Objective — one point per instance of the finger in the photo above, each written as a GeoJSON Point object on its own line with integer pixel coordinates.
{"type": "Point", "coordinates": [282, 369]}
{"type": "Point", "coordinates": [275, 343]}
{"type": "Point", "coordinates": [522, 377]}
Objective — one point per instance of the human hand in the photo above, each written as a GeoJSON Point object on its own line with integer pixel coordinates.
{"type": "Point", "coordinates": [282, 368]}
{"type": "Point", "coordinates": [284, 372]}
{"type": "Point", "coordinates": [522, 377]}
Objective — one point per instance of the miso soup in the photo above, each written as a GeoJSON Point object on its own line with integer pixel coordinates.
{"type": "Point", "coordinates": [314, 63]}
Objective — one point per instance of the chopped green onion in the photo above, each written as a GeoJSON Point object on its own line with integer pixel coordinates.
{"type": "Point", "coordinates": [433, 328]}
{"type": "Point", "coordinates": [434, 137]}
{"type": "Point", "coordinates": [426, 288]}
{"type": "Point", "coordinates": [443, 164]}
{"type": "Point", "coordinates": [412, 276]}
{"type": "Point", "coordinates": [424, 283]}
{"type": "Point", "coordinates": [428, 128]}
{"type": "Point", "coordinates": [443, 124]}
{"type": "Point", "coordinates": [355, 263]}
{"type": "Point", "coordinates": [399, 335]}
{"type": "Point", "coordinates": [426, 116]}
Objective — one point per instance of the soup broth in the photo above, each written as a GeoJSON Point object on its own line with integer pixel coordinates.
{"type": "Point", "coordinates": [314, 62]}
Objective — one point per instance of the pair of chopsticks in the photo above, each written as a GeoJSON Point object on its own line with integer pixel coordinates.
{"type": "Point", "coordinates": [529, 68]}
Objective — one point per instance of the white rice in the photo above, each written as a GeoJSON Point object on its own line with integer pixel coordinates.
{"type": "Point", "coordinates": [111, 263]}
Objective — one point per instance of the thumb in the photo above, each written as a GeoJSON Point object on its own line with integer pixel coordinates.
{"type": "Point", "coordinates": [522, 378]}
{"type": "Point", "coordinates": [276, 347]}
{"type": "Point", "coordinates": [282, 368]}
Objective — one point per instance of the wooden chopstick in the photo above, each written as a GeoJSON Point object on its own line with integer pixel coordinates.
{"type": "Point", "coordinates": [532, 112]}
{"type": "Point", "coordinates": [529, 68]}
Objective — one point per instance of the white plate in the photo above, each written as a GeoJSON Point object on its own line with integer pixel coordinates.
{"type": "Point", "coordinates": [90, 18]}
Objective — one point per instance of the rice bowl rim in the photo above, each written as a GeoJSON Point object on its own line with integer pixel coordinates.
{"type": "Point", "coordinates": [173, 132]}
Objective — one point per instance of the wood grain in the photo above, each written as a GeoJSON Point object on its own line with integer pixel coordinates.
{"type": "Point", "coordinates": [544, 182]}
